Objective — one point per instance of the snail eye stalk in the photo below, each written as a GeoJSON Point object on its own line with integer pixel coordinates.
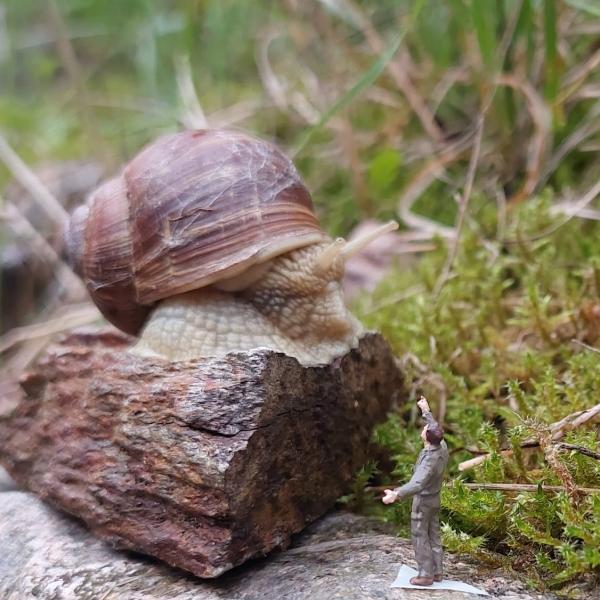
{"type": "Point", "coordinates": [340, 247]}
{"type": "Point", "coordinates": [326, 259]}
{"type": "Point", "coordinates": [353, 247]}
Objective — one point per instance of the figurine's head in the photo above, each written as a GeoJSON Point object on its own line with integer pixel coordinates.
{"type": "Point", "coordinates": [432, 434]}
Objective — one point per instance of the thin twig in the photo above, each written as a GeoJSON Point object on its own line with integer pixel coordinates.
{"type": "Point", "coordinates": [474, 462]}
{"type": "Point", "coordinates": [580, 449]}
{"type": "Point", "coordinates": [552, 456]}
{"type": "Point", "coordinates": [574, 420]}
{"type": "Point", "coordinates": [584, 345]}
{"type": "Point", "coordinates": [501, 487]}
{"type": "Point", "coordinates": [527, 487]}
{"type": "Point", "coordinates": [557, 431]}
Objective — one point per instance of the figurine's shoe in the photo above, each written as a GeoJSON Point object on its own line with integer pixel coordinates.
{"type": "Point", "coordinates": [421, 581]}
{"type": "Point", "coordinates": [438, 577]}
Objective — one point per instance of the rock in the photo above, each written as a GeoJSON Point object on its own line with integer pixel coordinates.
{"type": "Point", "coordinates": [204, 463]}
{"type": "Point", "coordinates": [48, 556]}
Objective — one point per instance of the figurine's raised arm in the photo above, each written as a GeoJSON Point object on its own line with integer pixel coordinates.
{"type": "Point", "coordinates": [423, 405]}
{"type": "Point", "coordinates": [426, 412]}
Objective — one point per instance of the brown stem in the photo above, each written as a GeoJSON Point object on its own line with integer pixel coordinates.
{"type": "Point", "coordinates": [557, 430]}
{"type": "Point", "coordinates": [503, 487]}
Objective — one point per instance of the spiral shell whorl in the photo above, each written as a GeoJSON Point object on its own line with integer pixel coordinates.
{"type": "Point", "coordinates": [191, 209]}
{"type": "Point", "coordinates": [99, 245]}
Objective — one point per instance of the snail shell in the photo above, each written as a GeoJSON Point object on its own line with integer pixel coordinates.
{"type": "Point", "coordinates": [192, 209]}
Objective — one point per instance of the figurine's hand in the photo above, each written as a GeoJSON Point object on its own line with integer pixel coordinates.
{"type": "Point", "coordinates": [389, 497]}
{"type": "Point", "coordinates": [423, 404]}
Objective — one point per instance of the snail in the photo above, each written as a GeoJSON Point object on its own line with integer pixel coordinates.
{"type": "Point", "coordinates": [207, 243]}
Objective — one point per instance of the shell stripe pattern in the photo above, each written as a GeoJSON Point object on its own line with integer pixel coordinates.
{"type": "Point", "coordinates": [191, 209]}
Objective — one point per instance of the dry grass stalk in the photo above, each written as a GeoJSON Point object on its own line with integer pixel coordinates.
{"type": "Point", "coordinates": [463, 203]}
{"type": "Point", "coordinates": [28, 349]}
{"type": "Point", "coordinates": [353, 160]}
{"type": "Point", "coordinates": [192, 116]}
{"type": "Point", "coordinates": [575, 79]}
{"type": "Point", "coordinates": [574, 211]}
{"type": "Point", "coordinates": [423, 179]}
{"type": "Point", "coordinates": [541, 119]}
{"type": "Point", "coordinates": [274, 87]}
{"type": "Point", "coordinates": [22, 227]}
{"type": "Point", "coordinates": [29, 180]}
{"type": "Point", "coordinates": [589, 127]}
{"type": "Point", "coordinates": [75, 316]}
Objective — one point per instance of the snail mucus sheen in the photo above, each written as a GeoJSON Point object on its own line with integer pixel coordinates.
{"type": "Point", "coordinates": [207, 243]}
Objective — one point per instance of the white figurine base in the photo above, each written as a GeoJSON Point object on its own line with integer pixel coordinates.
{"type": "Point", "coordinates": [403, 581]}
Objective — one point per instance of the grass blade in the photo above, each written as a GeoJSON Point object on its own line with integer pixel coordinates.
{"type": "Point", "coordinates": [480, 12]}
{"type": "Point", "coordinates": [552, 84]}
{"type": "Point", "coordinates": [366, 80]}
{"type": "Point", "coordinates": [589, 6]}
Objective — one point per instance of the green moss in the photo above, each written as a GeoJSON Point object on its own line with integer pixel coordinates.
{"type": "Point", "coordinates": [496, 341]}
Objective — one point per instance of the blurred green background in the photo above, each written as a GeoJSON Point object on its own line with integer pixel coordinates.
{"type": "Point", "coordinates": [96, 80]}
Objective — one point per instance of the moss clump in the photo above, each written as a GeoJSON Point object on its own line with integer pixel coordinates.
{"type": "Point", "coordinates": [500, 345]}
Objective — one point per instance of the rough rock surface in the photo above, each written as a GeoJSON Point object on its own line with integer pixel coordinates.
{"type": "Point", "coordinates": [204, 463]}
{"type": "Point", "coordinates": [48, 556]}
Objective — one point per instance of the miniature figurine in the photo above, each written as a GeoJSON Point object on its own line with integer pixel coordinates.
{"type": "Point", "coordinates": [425, 486]}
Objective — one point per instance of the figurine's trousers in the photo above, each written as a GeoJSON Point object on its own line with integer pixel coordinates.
{"type": "Point", "coordinates": [425, 533]}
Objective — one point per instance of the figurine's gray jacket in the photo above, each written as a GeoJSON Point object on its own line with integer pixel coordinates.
{"type": "Point", "coordinates": [429, 469]}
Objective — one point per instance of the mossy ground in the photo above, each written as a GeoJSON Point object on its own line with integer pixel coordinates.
{"type": "Point", "coordinates": [499, 345]}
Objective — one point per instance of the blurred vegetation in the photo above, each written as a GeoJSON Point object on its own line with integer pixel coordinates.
{"type": "Point", "coordinates": [476, 123]}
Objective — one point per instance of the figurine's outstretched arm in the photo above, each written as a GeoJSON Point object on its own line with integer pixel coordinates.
{"type": "Point", "coordinates": [423, 473]}
{"type": "Point", "coordinates": [421, 477]}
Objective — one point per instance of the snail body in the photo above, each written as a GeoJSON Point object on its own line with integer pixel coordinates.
{"type": "Point", "coordinates": [207, 243]}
